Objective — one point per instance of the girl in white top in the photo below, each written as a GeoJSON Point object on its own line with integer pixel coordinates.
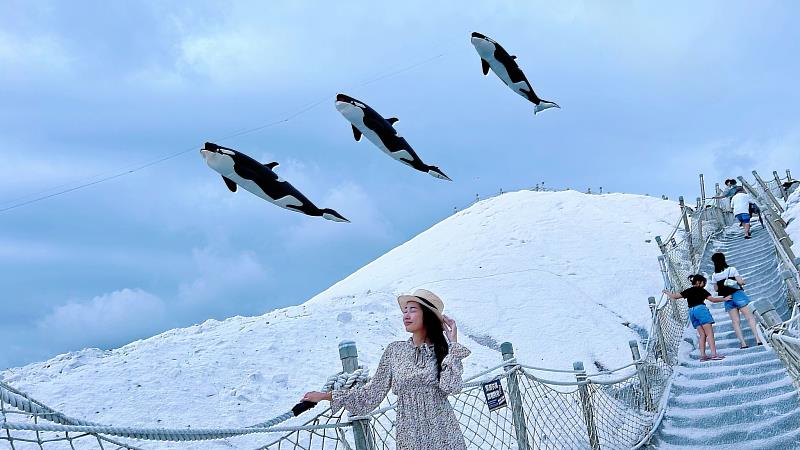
{"type": "Point", "coordinates": [740, 203]}
{"type": "Point", "coordinates": [727, 281]}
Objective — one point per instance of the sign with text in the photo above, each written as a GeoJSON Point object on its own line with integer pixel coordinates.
{"type": "Point", "coordinates": [495, 398]}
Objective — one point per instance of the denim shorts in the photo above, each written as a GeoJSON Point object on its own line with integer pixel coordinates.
{"type": "Point", "coordinates": [743, 217]}
{"type": "Point", "coordinates": [738, 300]}
{"type": "Point", "coordinates": [700, 315]}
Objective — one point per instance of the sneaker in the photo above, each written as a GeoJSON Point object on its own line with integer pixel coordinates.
{"type": "Point", "coordinates": [747, 237]}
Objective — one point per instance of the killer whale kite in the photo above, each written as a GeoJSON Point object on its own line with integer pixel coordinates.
{"type": "Point", "coordinates": [505, 67]}
{"type": "Point", "coordinates": [239, 169]}
{"type": "Point", "coordinates": [367, 122]}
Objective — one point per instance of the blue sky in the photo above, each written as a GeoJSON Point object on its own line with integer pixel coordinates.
{"type": "Point", "coordinates": [651, 94]}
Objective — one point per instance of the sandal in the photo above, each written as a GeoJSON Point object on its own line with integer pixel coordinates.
{"type": "Point", "coordinates": [704, 358]}
{"type": "Point", "coordinates": [717, 358]}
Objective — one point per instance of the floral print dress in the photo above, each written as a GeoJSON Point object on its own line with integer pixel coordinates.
{"type": "Point", "coordinates": [425, 418]}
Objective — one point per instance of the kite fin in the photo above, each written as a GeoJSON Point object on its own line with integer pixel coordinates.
{"type": "Point", "coordinates": [271, 165]}
{"type": "Point", "coordinates": [356, 133]}
{"type": "Point", "coordinates": [230, 183]}
{"type": "Point", "coordinates": [392, 120]}
{"type": "Point", "coordinates": [485, 66]}
{"type": "Point", "coordinates": [544, 104]}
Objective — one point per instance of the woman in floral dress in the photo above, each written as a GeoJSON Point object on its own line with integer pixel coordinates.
{"type": "Point", "coordinates": [421, 372]}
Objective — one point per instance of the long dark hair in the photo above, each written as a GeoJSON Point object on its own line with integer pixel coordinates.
{"type": "Point", "coordinates": [433, 327]}
{"type": "Point", "coordinates": [719, 262]}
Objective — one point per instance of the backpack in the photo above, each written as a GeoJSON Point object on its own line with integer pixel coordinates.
{"type": "Point", "coordinates": [754, 209]}
{"type": "Point", "coordinates": [723, 289]}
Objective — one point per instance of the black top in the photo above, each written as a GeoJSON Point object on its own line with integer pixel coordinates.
{"type": "Point", "coordinates": [695, 296]}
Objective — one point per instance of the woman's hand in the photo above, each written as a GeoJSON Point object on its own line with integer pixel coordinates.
{"type": "Point", "coordinates": [316, 397]}
{"type": "Point", "coordinates": [450, 329]}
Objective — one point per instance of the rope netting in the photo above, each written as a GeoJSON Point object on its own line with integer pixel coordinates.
{"type": "Point", "coordinates": [545, 408]}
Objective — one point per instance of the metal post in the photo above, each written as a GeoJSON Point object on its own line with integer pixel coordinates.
{"type": "Point", "coordinates": [686, 225]}
{"type": "Point", "coordinates": [788, 176]}
{"type": "Point", "coordinates": [361, 431]}
{"type": "Point", "coordinates": [771, 197]}
{"type": "Point", "coordinates": [586, 403]}
{"type": "Point", "coordinates": [651, 302]}
{"type": "Point", "coordinates": [517, 413]}
{"type": "Point", "coordinates": [702, 189]}
{"type": "Point", "coordinates": [640, 371]}
{"type": "Point", "coordinates": [780, 186]}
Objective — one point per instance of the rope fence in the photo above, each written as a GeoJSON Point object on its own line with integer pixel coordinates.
{"type": "Point", "coordinates": [541, 408]}
{"type": "Point", "coordinates": [782, 332]}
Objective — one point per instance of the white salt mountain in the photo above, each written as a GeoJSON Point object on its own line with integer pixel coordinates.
{"type": "Point", "coordinates": [564, 276]}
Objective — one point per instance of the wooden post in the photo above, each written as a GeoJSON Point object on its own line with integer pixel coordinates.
{"type": "Point", "coordinates": [651, 302]}
{"type": "Point", "coordinates": [768, 313]}
{"type": "Point", "coordinates": [701, 213]}
{"type": "Point", "coordinates": [771, 197]}
{"type": "Point", "coordinates": [586, 404]}
{"type": "Point", "coordinates": [702, 189]}
{"type": "Point", "coordinates": [780, 185]}
{"type": "Point", "coordinates": [661, 245]}
{"type": "Point", "coordinates": [640, 372]}
{"type": "Point", "coordinates": [664, 274]}
{"type": "Point", "coordinates": [686, 225]}
{"type": "Point", "coordinates": [791, 287]}
{"type": "Point", "coordinates": [361, 431]}
{"type": "Point", "coordinates": [517, 411]}
{"type": "Point", "coordinates": [778, 227]}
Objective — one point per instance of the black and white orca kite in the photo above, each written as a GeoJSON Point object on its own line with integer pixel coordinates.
{"type": "Point", "coordinates": [497, 58]}
{"type": "Point", "coordinates": [367, 122]}
{"type": "Point", "coordinates": [237, 168]}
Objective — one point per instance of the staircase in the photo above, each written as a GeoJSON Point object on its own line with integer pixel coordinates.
{"type": "Point", "coordinates": [747, 400]}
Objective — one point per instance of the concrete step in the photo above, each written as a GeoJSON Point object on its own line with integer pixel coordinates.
{"type": "Point", "coordinates": [747, 400]}
{"type": "Point", "coordinates": [781, 430]}
{"type": "Point", "coordinates": [735, 392]}
{"type": "Point", "coordinates": [731, 380]}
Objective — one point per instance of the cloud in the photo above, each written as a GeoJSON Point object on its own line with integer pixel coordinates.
{"type": "Point", "coordinates": [353, 202]}
{"type": "Point", "coordinates": [222, 281]}
{"type": "Point", "coordinates": [105, 321]}
{"type": "Point", "coordinates": [726, 158]}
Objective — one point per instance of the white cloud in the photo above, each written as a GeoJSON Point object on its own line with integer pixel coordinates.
{"type": "Point", "coordinates": [221, 278]}
{"type": "Point", "coordinates": [730, 158]}
{"type": "Point", "coordinates": [106, 320]}
{"type": "Point", "coordinates": [353, 202]}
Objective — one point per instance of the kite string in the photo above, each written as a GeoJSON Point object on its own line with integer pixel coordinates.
{"type": "Point", "coordinates": [15, 203]}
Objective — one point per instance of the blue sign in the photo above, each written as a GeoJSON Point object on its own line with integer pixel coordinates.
{"type": "Point", "coordinates": [495, 398]}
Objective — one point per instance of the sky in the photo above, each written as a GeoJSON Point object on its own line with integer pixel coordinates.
{"type": "Point", "coordinates": [651, 96]}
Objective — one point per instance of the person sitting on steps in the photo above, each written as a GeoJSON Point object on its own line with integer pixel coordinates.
{"type": "Point", "coordinates": [699, 314]}
{"type": "Point", "coordinates": [728, 282]}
